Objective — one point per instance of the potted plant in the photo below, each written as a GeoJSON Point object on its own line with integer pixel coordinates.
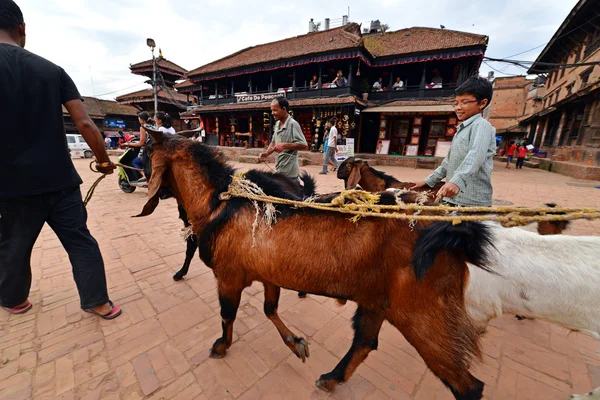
{"type": "Point", "coordinates": [365, 87]}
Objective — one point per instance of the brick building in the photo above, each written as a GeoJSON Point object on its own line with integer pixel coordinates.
{"type": "Point", "coordinates": [508, 106]}
{"type": "Point", "coordinates": [564, 118]}
{"type": "Point", "coordinates": [234, 93]}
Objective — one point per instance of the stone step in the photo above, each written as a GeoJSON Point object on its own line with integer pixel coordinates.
{"type": "Point", "coordinates": [531, 164]}
{"type": "Point", "coordinates": [303, 161]}
{"type": "Point", "coordinates": [248, 159]}
{"type": "Point", "coordinates": [426, 163]}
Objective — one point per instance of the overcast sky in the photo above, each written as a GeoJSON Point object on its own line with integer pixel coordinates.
{"type": "Point", "coordinates": [96, 40]}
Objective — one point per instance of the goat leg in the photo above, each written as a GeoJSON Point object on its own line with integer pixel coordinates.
{"type": "Point", "coordinates": [299, 346]}
{"type": "Point", "coordinates": [367, 324]}
{"type": "Point", "coordinates": [229, 299]}
{"type": "Point", "coordinates": [192, 245]}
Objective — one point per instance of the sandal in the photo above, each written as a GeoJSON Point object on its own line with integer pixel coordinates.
{"type": "Point", "coordinates": [114, 313]}
{"type": "Point", "coordinates": [19, 310]}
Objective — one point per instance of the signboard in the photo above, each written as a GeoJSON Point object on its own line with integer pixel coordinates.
{"type": "Point", "coordinates": [383, 147]}
{"type": "Point", "coordinates": [412, 150]}
{"type": "Point", "coordinates": [442, 148]}
{"type": "Point", "coordinates": [346, 150]}
{"type": "Point", "coordinates": [250, 98]}
{"type": "Point", "coordinates": [114, 123]}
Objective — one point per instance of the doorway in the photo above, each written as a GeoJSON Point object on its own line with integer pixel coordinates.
{"type": "Point", "coordinates": [370, 132]}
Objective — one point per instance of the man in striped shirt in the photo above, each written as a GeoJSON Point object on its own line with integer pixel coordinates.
{"type": "Point", "coordinates": [468, 166]}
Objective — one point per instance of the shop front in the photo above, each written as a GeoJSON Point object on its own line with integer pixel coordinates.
{"type": "Point", "coordinates": [250, 125]}
{"type": "Point", "coordinates": [406, 130]}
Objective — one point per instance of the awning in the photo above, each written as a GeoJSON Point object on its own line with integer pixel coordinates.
{"type": "Point", "coordinates": [410, 109]}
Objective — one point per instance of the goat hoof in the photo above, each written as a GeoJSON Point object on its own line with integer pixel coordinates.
{"type": "Point", "coordinates": [299, 347]}
{"type": "Point", "coordinates": [326, 383]}
{"type": "Point", "coordinates": [593, 395]}
{"type": "Point", "coordinates": [178, 276]}
{"type": "Point", "coordinates": [302, 350]}
{"type": "Point", "coordinates": [302, 295]}
{"type": "Point", "coordinates": [219, 349]}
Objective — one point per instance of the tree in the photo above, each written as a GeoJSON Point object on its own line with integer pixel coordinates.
{"type": "Point", "coordinates": [385, 28]}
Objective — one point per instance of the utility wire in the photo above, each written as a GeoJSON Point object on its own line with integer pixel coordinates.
{"type": "Point", "coordinates": [120, 90]}
{"type": "Point", "coordinates": [501, 72]}
{"type": "Point", "coordinates": [561, 36]}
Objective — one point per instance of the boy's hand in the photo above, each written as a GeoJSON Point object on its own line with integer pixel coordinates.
{"type": "Point", "coordinates": [419, 185]}
{"type": "Point", "coordinates": [279, 148]}
{"type": "Point", "coordinates": [448, 190]}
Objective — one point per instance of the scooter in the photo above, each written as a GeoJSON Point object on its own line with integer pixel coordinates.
{"type": "Point", "coordinates": [127, 176]}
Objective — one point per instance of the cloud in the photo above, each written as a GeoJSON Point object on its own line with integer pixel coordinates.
{"type": "Point", "coordinates": [96, 41]}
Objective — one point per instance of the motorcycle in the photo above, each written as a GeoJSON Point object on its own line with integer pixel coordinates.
{"type": "Point", "coordinates": [128, 178]}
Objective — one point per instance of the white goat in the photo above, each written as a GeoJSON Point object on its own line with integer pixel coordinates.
{"type": "Point", "coordinates": [555, 278]}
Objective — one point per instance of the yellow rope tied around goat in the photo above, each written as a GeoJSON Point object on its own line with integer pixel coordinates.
{"type": "Point", "coordinates": [364, 205]}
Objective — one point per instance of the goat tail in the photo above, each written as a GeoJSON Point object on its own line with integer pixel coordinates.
{"type": "Point", "coordinates": [470, 241]}
{"type": "Point", "coordinates": [310, 186]}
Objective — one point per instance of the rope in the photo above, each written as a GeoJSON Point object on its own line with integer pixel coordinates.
{"type": "Point", "coordinates": [91, 190]}
{"type": "Point", "coordinates": [127, 167]}
{"type": "Point", "coordinates": [364, 206]}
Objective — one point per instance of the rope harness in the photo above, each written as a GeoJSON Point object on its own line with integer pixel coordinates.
{"type": "Point", "coordinates": [363, 204]}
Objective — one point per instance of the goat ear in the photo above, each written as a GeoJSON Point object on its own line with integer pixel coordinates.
{"type": "Point", "coordinates": [354, 178]}
{"type": "Point", "coordinates": [157, 135]}
{"type": "Point", "coordinates": [153, 190]}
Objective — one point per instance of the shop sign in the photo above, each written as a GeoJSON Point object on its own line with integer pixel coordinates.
{"type": "Point", "coordinates": [250, 98]}
{"type": "Point", "coordinates": [114, 123]}
{"type": "Point", "coordinates": [345, 150]}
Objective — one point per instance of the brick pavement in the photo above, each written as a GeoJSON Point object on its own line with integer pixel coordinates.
{"type": "Point", "coordinates": [158, 348]}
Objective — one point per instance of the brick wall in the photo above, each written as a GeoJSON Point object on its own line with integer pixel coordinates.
{"type": "Point", "coordinates": [508, 103]}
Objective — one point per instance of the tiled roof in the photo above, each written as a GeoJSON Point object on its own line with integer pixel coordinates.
{"type": "Point", "coordinates": [345, 37]}
{"type": "Point", "coordinates": [114, 108]}
{"type": "Point", "coordinates": [418, 40]}
{"type": "Point", "coordinates": [92, 107]}
{"type": "Point", "coordinates": [160, 62]}
{"type": "Point", "coordinates": [144, 95]}
{"type": "Point", "coordinates": [436, 102]}
{"type": "Point", "coordinates": [98, 108]}
{"type": "Point", "coordinates": [183, 84]}
{"type": "Point", "coordinates": [265, 105]}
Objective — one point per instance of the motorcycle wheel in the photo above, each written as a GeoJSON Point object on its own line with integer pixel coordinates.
{"type": "Point", "coordinates": [125, 186]}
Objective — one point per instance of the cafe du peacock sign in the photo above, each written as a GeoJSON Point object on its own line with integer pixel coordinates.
{"type": "Point", "coordinates": [251, 98]}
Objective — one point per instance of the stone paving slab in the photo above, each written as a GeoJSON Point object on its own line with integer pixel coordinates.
{"type": "Point", "coordinates": [158, 348]}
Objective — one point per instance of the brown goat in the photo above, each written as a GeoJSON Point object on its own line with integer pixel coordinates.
{"type": "Point", "coordinates": [355, 171]}
{"type": "Point", "coordinates": [398, 280]}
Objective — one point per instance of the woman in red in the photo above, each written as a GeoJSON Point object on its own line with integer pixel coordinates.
{"type": "Point", "coordinates": [521, 153]}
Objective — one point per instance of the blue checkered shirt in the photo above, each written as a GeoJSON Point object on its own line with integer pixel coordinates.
{"type": "Point", "coordinates": [469, 163]}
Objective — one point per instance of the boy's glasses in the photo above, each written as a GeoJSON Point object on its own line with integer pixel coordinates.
{"type": "Point", "coordinates": [464, 103]}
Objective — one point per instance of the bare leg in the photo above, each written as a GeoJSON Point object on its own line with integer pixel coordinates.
{"type": "Point", "coordinates": [366, 324]}
{"type": "Point", "coordinates": [299, 346]}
